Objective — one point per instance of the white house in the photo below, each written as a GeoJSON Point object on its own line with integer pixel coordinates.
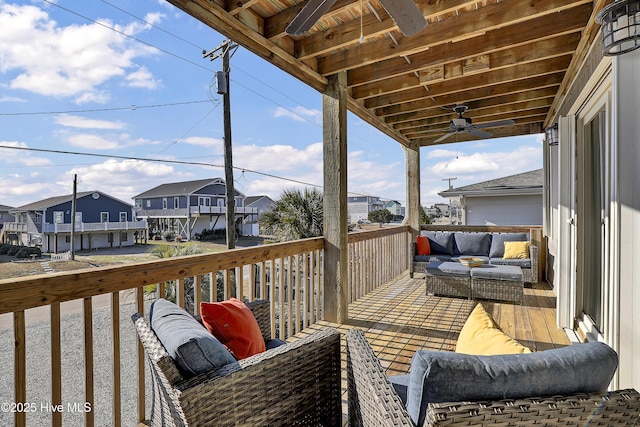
{"type": "Point", "coordinates": [511, 200]}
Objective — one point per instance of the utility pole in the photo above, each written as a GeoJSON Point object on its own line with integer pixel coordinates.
{"type": "Point", "coordinates": [72, 249]}
{"type": "Point", "coordinates": [450, 187]}
{"type": "Point", "coordinates": [225, 50]}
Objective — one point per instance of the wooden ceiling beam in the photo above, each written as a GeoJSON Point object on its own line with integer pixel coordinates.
{"type": "Point", "coordinates": [539, 29]}
{"type": "Point", "coordinates": [464, 84]}
{"type": "Point", "coordinates": [467, 96]}
{"type": "Point", "coordinates": [482, 114]}
{"type": "Point", "coordinates": [530, 117]}
{"type": "Point", "coordinates": [489, 102]}
{"type": "Point", "coordinates": [481, 20]}
{"type": "Point", "coordinates": [347, 34]}
{"type": "Point", "coordinates": [275, 25]}
{"type": "Point", "coordinates": [536, 51]}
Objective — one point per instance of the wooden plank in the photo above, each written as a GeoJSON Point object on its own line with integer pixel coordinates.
{"type": "Point", "coordinates": [20, 366]}
{"type": "Point", "coordinates": [197, 294]}
{"type": "Point", "coordinates": [116, 414]}
{"type": "Point", "coordinates": [141, 356]}
{"type": "Point", "coordinates": [87, 314]}
{"type": "Point", "coordinates": [56, 364]}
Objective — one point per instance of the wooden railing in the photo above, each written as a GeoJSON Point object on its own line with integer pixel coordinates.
{"type": "Point", "coordinates": [376, 257]}
{"type": "Point", "coordinates": [289, 274]}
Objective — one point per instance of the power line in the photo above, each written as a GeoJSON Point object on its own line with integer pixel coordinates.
{"type": "Point", "coordinates": [95, 110]}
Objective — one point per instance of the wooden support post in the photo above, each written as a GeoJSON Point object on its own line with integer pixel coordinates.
{"type": "Point", "coordinates": [334, 116]}
{"type": "Point", "coordinates": [412, 218]}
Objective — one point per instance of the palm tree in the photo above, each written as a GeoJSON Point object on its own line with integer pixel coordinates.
{"type": "Point", "coordinates": [295, 215]}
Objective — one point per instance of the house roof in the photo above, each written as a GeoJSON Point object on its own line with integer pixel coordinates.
{"type": "Point", "coordinates": [56, 200]}
{"type": "Point", "coordinates": [252, 199]}
{"type": "Point", "coordinates": [523, 183]}
{"type": "Point", "coordinates": [5, 208]}
{"type": "Point", "coordinates": [178, 188]}
{"type": "Point", "coordinates": [503, 59]}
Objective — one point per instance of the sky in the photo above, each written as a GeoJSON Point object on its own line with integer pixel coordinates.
{"type": "Point", "coordinates": [106, 90]}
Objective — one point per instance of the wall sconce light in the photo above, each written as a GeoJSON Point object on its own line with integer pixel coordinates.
{"type": "Point", "coordinates": [552, 135]}
{"type": "Point", "coordinates": [620, 22]}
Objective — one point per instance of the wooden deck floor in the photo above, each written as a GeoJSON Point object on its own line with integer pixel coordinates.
{"type": "Point", "coordinates": [399, 318]}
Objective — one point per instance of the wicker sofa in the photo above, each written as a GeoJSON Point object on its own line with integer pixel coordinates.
{"type": "Point", "coordinates": [293, 384]}
{"type": "Point", "coordinates": [450, 246]}
{"type": "Point", "coordinates": [373, 401]}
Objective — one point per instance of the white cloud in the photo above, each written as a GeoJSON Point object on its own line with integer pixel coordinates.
{"type": "Point", "coordinates": [439, 152]}
{"type": "Point", "coordinates": [299, 114]}
{"type": "Point", "coordinates": [70, 61]}
{"type": "Point", "coordinates": [19, 156]}
{"type": "Point", "coordinates": [93, 142]}
{"type": "Point", "coordinates": [11, 99]}
{"type": "Point", "coordinates": [204, 141]}
{"type": "Point", "coordinates": [142, 78]}
{"type": "Point", "coordinates": [70, 120]}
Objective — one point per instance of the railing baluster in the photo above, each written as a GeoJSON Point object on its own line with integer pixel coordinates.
{"type": "Point", "coordinates": [20, 366]}
{"type": "Point", "coordinates": [115, 336]}
{"type": "Point", "coordinates": [281, 293]}
{"type": "Point", "coordinates": [140, 354]}
{"type": "Point", "coordinates": [213, 286]}
{"type": "Point", "coordinates": [290, 260]}
{"type": "Point", "coordinates": [56, 365]}
{"type": "Point", "coordinates": [252, 282]}
{"type": "Point", "coordinates": [239, 283]}
{"type": "Point", "coordinates": [197, 293]}
{"type": "Point", "coordinates": [87, 314]}
{"type": "Point", "coordinates": [179, 289]}
{"type": "Point", "coordinates": [272, 296]}
{"type": "Point", "coordinates": [263, 281]}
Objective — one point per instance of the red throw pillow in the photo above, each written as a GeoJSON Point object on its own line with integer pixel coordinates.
{"type": "Point", "coordinates": [233, 323]}
{"type": "Point", "coordinates": [422, 245]}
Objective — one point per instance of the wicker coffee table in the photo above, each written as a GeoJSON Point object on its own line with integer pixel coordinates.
{"type": "Point", "coordinates": [448, 278]}
{"type": "Point", "coordinates": [497, 282]}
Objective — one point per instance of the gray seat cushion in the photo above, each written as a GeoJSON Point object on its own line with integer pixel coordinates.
{"type": "Point", "coordinates": [522, 263]}
{"type": "Point", "coordinates": [192, 347]}
{"type": "Point", "coordinates": [497, 272]}
{"type": "Point", "coordinates": [447, 269]}
{"type": "Point", "coordinates": [453, 377]}
{"type": "Point", "coordinates": [430, 258]}
{"type": "Point", "coordinates": [441, 242]}
{"type": "Point", "coordinates": [472, 243]}
{"type": "Point", "coordinates": [498, 239]}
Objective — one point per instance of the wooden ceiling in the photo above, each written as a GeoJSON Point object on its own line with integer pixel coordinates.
{"type": "Point", "coordinates": [504, 59]}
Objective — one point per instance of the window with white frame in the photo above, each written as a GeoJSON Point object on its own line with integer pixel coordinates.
{"type": "Point", "coordinates": [148, 203]}
{"type": "Point", "coordinates": [164, 203]}
{"type": "Point", "coordinates": [104, 216]}
{"type": "Point", "coordinates": [138, 203]}
{"type": "Point", "coordinates": [176, 203]}
{"type": "Point", "coordinates": [58, 217]}
{"type": "Point", "coordinates": [239, 202]}
{"type": "Point", "coordinates": [204, 201]}
{"type": "Point", "coordinates": [220, 203]}
{"type": "Point", "coordinates": [38, 219]}
{"type": "Point", "coordinates": [123, 217]}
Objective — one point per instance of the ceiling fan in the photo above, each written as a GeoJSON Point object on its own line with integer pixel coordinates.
{"type": "Point", "coordinates": [464, 124]}
{"type": "Point", "coordinates": [405, 13]}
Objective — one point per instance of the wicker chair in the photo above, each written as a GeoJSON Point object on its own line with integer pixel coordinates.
{"type": "Point", "coordinates": [373, 402]}
{"type": "Point", "coordinates": [295, 384]}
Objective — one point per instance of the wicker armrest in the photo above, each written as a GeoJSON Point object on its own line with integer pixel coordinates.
{"type": "Point", "coordinates": [298, 382]}
{"type": "Point", "coordinates": [262, 312]}
{"type": "Point", "coordinates": [373, 401]}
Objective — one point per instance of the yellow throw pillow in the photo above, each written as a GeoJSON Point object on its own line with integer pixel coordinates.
{"type": "Point", "coordinates": [480, 336]}
{"type": "Point", "coordinates": [516, 250]}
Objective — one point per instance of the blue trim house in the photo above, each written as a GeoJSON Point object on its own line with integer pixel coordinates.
{"type": "Point", "coordinates": [101, 221]}
{"type": "Point", "coordinates": [189, 207]}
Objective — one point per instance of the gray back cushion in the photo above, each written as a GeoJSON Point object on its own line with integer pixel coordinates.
{"type": "Point", "coordinates": [192, 347]}
{"type": "Point", "coordinates": [441, 242]}
{"type": "Point", "coordinates": [472, 243]}
{"type": "Point", "coordinates": [454, 377]}
{"type": "Point", "coordinates": [498, 239]}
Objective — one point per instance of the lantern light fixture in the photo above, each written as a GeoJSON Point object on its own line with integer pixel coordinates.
{"type": "Point", "coordinates": [620, 22]}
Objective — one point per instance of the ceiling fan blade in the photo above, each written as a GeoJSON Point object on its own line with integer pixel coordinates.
{"type": "Point", "coordinates": [308, 16]}
{"type": "Point", "coordinates": [508, 122]}
{"type": "Point", "coordinates": [443, 137]}
{"type": "Point", "coordinates": [479, 133]}
{"type": "Point", "coordinates": [406, 15]}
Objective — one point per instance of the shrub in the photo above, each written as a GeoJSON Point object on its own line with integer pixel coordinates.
{"type": "Point", "coordinates": [13, 250]}
{"type": "Point", "coordinates": [169, 236]}
{"type": "Point", "coordinates": [26, 252]}
{"type": "Point", "coordinates": [4, 248]}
